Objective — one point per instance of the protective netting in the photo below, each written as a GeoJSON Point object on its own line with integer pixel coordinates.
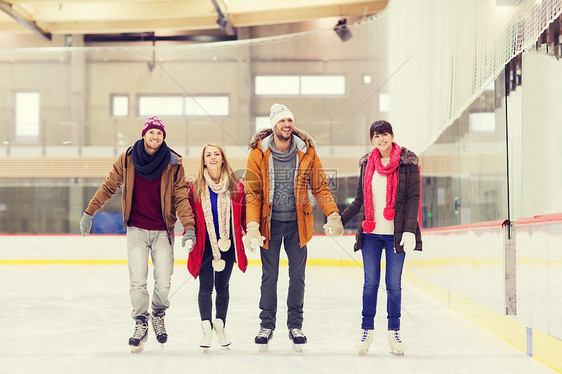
{"type": "Point", "coordinates": [455, 49]}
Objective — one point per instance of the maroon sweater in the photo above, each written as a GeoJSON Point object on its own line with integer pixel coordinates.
{"type": "Point", "coordinates": [146, 209]}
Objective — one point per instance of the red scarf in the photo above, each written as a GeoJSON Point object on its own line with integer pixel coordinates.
{"type": "Point", "coordinates": [391, 172]}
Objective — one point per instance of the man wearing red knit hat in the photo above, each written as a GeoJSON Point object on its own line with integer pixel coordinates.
{"type": "Point", "coordinates": [154, 193]}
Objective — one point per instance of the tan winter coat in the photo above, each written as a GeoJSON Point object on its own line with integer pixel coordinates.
{"type": "Point", "coordinates": [173, 191]}
{"type": "Point", "coordinates": [309, 174]}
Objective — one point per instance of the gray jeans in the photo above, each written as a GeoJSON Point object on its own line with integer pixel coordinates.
{"type": "Point", "coordinates": [140, 243]}
{"type": "Point", "coordinates": [288, 233]}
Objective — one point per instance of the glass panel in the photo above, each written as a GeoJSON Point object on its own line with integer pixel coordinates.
{"type": "Point", "coordinates": [464, 173]}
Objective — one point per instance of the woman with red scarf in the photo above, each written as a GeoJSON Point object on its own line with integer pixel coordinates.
{"type": "Point", "coordinates": [387, 201]}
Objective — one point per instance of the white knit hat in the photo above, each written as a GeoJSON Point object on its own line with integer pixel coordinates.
{"type": "Point", "coordinates": [278, 112]}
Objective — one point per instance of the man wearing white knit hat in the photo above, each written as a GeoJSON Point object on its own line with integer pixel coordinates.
{"type": "Point", "coordinates": [282, 167]}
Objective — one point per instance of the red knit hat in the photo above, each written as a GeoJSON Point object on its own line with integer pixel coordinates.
{"type": "Point", "coordinates": [154, 123]}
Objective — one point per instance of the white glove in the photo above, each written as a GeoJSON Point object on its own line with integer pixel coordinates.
{"type": "Point", "coordinates": [333, 227]}
{"type": "Point", "coordinates": [408, 241]}
{"type": "Point", "coordinates": [253, 239]}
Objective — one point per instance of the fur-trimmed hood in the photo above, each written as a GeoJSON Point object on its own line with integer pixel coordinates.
{"type": "Point", "coordinates": [301, 134]}
{"type": "Point", "coordinates": [406, 157]}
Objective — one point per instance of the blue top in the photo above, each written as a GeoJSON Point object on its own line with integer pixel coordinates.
{"type": "Point", "coordinates": [214, 208]}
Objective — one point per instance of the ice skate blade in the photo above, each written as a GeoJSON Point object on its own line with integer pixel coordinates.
{"type": "Point", "coordinates": [396, 353]}
{"type": "Point", "coordinates": [137, 349]}
{"type": "Point", "coordinates": [226, 345]}
{"type": "Point", "coordinates": [264, 348]}
{"type": "Point", "coordinates": [297, 347]}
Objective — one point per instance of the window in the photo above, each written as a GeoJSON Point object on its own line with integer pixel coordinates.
{"type": "Point", "coordinates": [262, 123]}
{"type": "Point", "coordinates": [483, 121]}
{"type": "Point", "coordinates": [277, 85]}
{"type": "Point", "coordinates": [202, 106]}
{"type": "Point", "coordinates": [178, 106]}
{"type": "Point", "coordinates": [161, 106]}
{"type": "Point", "coordinates": [322, 85]}
{"type": "Point", "coordinates": [384, 102]}
{"type": "Point", "coordinates": [119, 105]}
{"type": "Point", "coordinates": [27, 114]}
{"type": "Point", "coordinates": [295, 85]}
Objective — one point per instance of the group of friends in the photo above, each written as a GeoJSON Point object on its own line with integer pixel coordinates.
{"type": "Point", "coordinates": [224, 216]}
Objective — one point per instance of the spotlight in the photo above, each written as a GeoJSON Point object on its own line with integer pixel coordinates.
{"type": "Point", "coordinates": [342, 30]}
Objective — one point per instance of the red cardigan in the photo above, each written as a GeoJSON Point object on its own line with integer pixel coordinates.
{"type": "Point", "coordinates": [239, 220]}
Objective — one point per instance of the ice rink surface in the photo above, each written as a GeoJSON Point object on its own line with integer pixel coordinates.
{"type": "Point", "coordinates": [76, 319]}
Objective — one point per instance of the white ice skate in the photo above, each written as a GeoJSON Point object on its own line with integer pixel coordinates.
{"type": "Point", "coordinates": [218, 326]}
{"type": "Point", "coordinates": [366, 340]}
{"type": "Point", "coordinates": [397, 345]}
{"type": "Point", "coordinates": [207, 337]}
{"type": "Point", "coordinates": [263, 338]}
{"type": "Point", "coordinates": [136, 342]}
{"type": "Point", "coordinates": [298, 339]}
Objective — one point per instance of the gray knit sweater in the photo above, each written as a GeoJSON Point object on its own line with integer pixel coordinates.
{"type": "Point", "coordinates": [284, 200]}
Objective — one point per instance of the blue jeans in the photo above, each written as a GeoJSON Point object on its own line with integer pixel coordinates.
{"type": "Point", "coordinates": [372, 252]}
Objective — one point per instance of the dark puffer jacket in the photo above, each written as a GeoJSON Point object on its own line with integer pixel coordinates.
{"type": "Point", "coordinates": [406, 206]}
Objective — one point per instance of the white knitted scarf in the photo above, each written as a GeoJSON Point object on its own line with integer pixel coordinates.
{"type": "Point", "coordinates": [223, 208]}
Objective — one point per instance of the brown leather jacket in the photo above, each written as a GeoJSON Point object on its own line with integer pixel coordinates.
{"type": "Point", "coordinates": [173, 191]}
{"type": "Point", "coordinates": [259, 188]}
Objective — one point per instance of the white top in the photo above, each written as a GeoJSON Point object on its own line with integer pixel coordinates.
{"type": "Point", "coordinates": [383, 226]}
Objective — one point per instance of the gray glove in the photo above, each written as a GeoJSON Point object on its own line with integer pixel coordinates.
{"type": "Point", "coordinates": [86, 224]}
{"type": "Point", "coordinates": [188, 240]}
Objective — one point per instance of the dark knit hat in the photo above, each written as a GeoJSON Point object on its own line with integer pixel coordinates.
{"type": "Point", "coordinates": [154, 123]}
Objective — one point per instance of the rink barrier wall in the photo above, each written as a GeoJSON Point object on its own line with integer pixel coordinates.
{"type": "Point", "coordinates": [469, 278]}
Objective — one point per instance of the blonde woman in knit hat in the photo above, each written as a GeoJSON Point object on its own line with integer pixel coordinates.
{"type": "Point", "coordinates": [217, 200]}
{"type": "Point", "coordinates": [388, 196]}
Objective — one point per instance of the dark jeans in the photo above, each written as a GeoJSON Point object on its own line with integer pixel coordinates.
{"type": "Point", "coordinates": [371, 250]}
{"type": "Point", "coordinates": [288, 233]}
{"type": "Point", "coordinates": [220, 280]}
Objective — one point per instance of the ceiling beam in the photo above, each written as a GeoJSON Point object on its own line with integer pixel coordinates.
{"type": "Point", "coordinates": [127, 16]}
{"type": "Point", "coordinates": [24, 21]}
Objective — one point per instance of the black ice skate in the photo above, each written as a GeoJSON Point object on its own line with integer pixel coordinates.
{"type": "Point", "coordinates": [298, 339]}
{"type": "Point", "coordinates": [136, 342]}
{"type": "Point", "coordinates": [159, 328]}
{"type": "Point", "coordinates": [263, 338]}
